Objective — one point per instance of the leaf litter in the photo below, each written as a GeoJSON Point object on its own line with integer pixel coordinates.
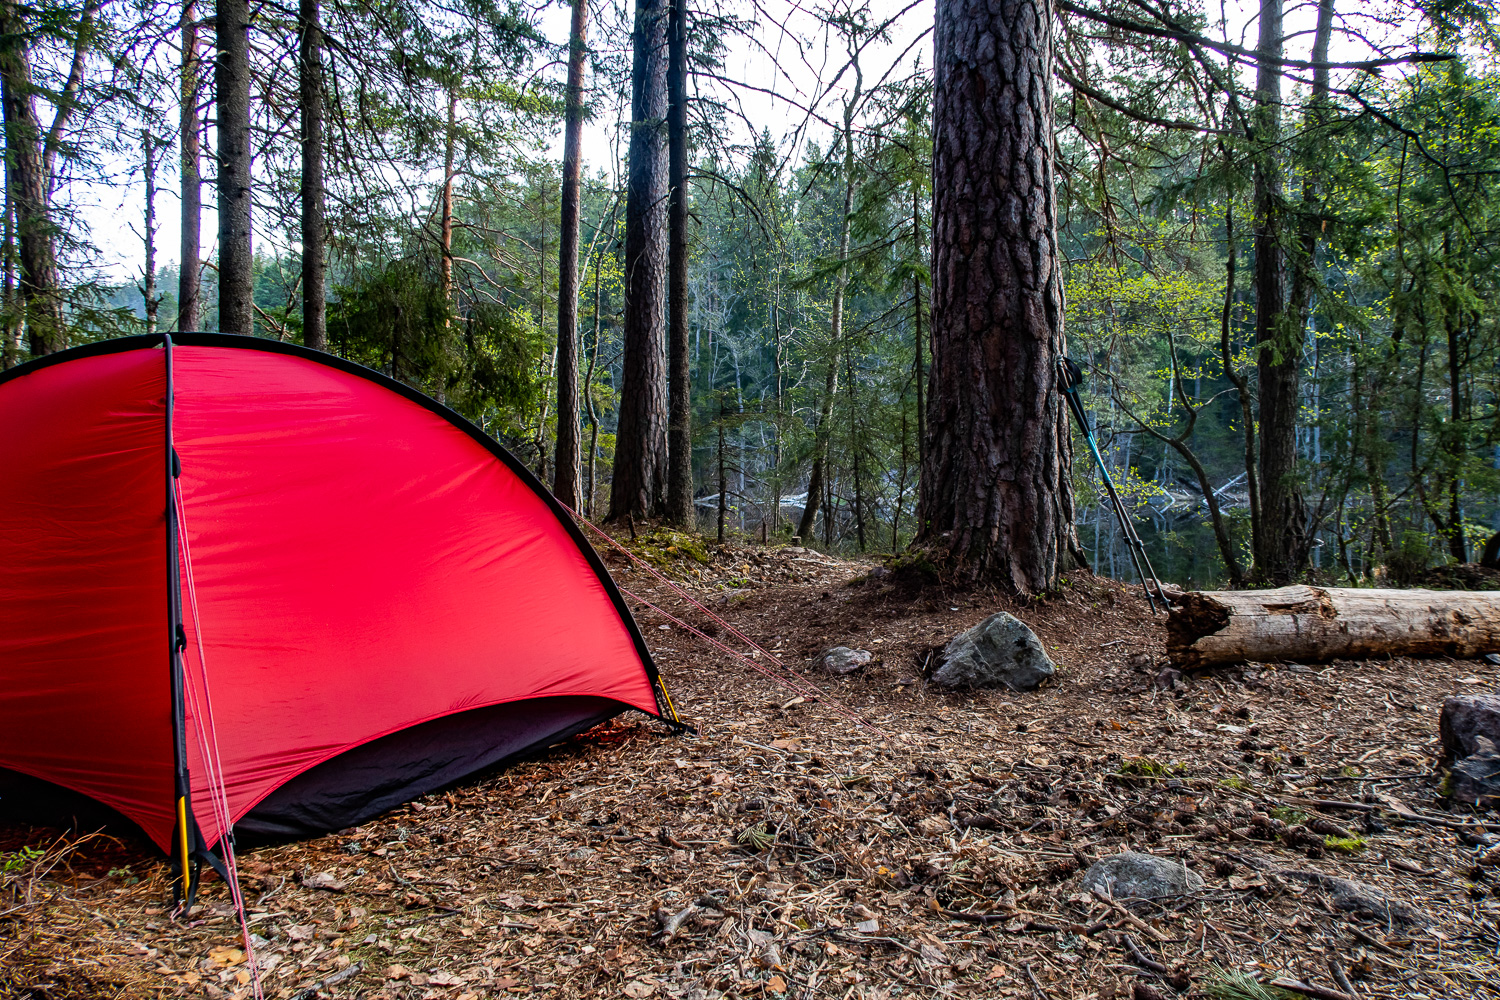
{"type": "Point", "coordinates": [784, 851]}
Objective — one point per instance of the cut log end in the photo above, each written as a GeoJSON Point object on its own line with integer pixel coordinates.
{"type": "Point", "coordinates": [1194, 614]}
{"type": "Point", "coordinates": [1318, 624]}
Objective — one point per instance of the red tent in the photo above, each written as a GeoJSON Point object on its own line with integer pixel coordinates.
{"type": "Point", "coordinates": [370, 598]}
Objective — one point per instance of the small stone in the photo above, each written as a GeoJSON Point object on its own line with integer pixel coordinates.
{"type": "Point", "coordinates": [1132, 875]}
{"type": "Point", "coordinates": [998, 652]}
{"type": "Point", "coordinates": [1168, 678]}
{"type": "Point", "coordinates": [1360, 897]}
{"type": "Point", "coordinates": [867, 926]}
{"type": "Point", "coordinates": [1493, 659]}
{"type": "Point", "coordinates": [932, 826]}
{"type": "Point", "coordinates": [1465, 717]}
{"type": "Point", "coordinates": [1476, 778]}
{"type": "Point", "coordinates": [323, 880]}
{"type": "Point", "coordinates": [843, 660]}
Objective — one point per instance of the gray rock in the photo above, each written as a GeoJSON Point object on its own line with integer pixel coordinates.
{"type": "Point", "coordinates": [1361, 897]}
{"type": "Point", "coordinates": [1466, 717]}
{"type": "Point", "coordinates": [1168, 679]}
{"type": "Point", "coordinates": [1476, 778]}
{"type": "Point", "coordinates": [998, 652]}
{"type": "Point", "coordinates": [1132, 875]}
{"type": "Point", "coordinates": [843, 660]}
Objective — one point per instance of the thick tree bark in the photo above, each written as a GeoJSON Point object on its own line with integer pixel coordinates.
{"type": "Point", "coordinates": [997, 505]}
{"type": "Point", "coordinates": [1317, 624]}
{"type": "Point", "coordinates": [314, 221]}
{"type": "Point", "coordinates": [640, 472]}
{"type": "Point", "coordinates": [679, 508]}
{"type": "Point", "coordinates": [565, 484]}
{"type": "Point", "coordinates": [29, 183]}
{"type": "Point", "coordinates": [232, 98]}
{"type": "Point", "coordinates": [920, 374]}
{"type": "Point", "coordinates": [1281, 543]}
{"type": "Point", "coordinates": [10, 322]}
{"type": "Point", "coordinates": [190, 87]}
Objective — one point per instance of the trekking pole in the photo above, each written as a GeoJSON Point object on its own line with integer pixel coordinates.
{"type": "Point", "coordinates": [1069, 378]}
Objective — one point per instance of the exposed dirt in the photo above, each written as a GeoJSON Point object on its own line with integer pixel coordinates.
{"type": "Point", "coordinates": [787, 851]}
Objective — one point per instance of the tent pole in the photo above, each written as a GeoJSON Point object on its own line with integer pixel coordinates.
{"type": "Point", "coordinates": [177, 641]}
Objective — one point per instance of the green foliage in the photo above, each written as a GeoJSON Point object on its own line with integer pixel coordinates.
{"type": "Point", "coordinates": [1346, 845]}
{"type": "Point", "coordinates": [1227, 984]}
{"type": "Point", "coordinates": [397, 321]}
{"type": "Point", "coordinates": [14, 862]}
{"type": "Point", "coordinates": [665, 548]}
{"type": "Point", "coordinates": [1147, 767]}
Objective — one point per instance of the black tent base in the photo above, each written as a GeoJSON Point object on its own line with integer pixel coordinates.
{"type": "Point", "coordinates": [360, 784]}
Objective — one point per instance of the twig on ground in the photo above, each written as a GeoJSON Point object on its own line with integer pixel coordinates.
{"type": "Point", "coordinates": [1307, 989]}
{"type": "Point", "coordinates": [1337, 971]}
{"type": "Point", "coordinates": [1036, 985]}
{"type": "Point", "coordinates": [1140, 957]}
{"type": "Point", "coordinates": [1130, 918]}
{"type": "Point", "coordinates": [338, 977]}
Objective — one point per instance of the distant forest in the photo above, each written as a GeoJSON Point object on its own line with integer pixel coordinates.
{"type": "Point", "coordinates": [1279, 245]}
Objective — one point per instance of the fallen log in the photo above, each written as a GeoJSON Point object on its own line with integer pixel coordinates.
{"type": "Point", "coordinates": [1316, 624]}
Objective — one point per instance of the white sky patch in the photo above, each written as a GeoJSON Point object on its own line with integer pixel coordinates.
{"type": "Point", "coordinates": [784, 70]}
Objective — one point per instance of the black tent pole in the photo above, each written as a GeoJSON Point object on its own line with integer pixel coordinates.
{"type": "Point", "coordinates": [1069, 378]}
{"type": "Point", "coordinates": [177, 643]}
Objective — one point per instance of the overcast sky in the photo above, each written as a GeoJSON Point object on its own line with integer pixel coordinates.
{"type": "Point", "coordinates": [790, 53]}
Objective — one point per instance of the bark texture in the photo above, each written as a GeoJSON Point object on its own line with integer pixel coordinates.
{"type": "Point", "coordinates": [190, 86]}
{"type": "Point", "coordinates": [232, 98]}
{"type": "Point", "coordinates": [997, 506]}
{"type": "Point", "coordinates": [640, 474]}
{"type": "Point", "coordinates": [41, 301]}
{"type": "Point", "coordinates": [1281, 543]}
{"type": "Point", "coordinates": [314, 219]}
{"type": "Point", "coordinates": [679, 510]}
{"type": "Point", "coordinates": [565, 482]}
{"type": "Point", "coordinates": [1317, 624]}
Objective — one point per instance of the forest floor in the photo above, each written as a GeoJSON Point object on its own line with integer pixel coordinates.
{"type": "Point", "coordinates": [786, 851]}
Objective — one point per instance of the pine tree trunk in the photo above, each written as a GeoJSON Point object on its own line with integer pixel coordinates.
{"type": "Point", "coordinates": [997, 504]}
{"type": "Point", "coordinates": [10, 321]}
{"type": "Point", "coordinates": [916, 291]}
{"type": "Point", "coordinates": [232, 98]}
{"type": "Point", "coordinates": [38, 286]}
{"type": "Point", "coordinates": [815, 478]}
{"type": "Point", "coordinates": [1281, 542]}
{"type": "Point", "coordinates": [148, 273]}
{"type": "Point", "coordinates": [824, 429]}
{"type": "Point", "coordinates": [680, 411]}
{"type": "Point", "coordinates": [445, 222]}
{"type": "Point", "coordinates": [640, 473]}
{"type": "Point", "coordinates": [314, 222]}
{"type": "Point", "coordinates": [190, 130]}
{"type": "Point", "coordinates": [1457, 445]}
{"type": "Point", "coordinates": [588, 396]}
{"type": "Point", "coordinates": [565, 485]}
